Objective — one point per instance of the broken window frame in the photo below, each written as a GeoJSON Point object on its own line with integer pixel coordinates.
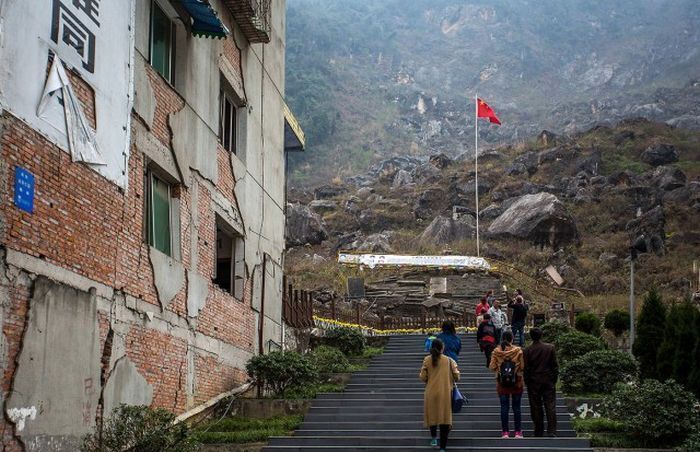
{"type": "Point", "coordinates": [236, 266]}
{"type": "Point", "coordinates": [227, 138]}
{"type": "Point", "coordinates": [164, 246]}
{"type": "Point", "coordinates": [170, 75]}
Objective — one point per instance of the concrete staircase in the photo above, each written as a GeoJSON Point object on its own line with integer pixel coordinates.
{"type": "Point", "coordinates": [382, 409]}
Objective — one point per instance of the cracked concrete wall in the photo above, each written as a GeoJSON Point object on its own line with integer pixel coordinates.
{"type": "Point", "coordinates": [168, 276]}
{"type": "Point", "coordinates": [126, 385]}
{"type": "Point", "coordinates": [58, 371]}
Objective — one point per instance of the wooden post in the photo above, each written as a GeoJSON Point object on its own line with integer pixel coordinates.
{"type": "Point", "coordinates": [572, 315]}
{"type": "Point", "coordinates": [357, 312]}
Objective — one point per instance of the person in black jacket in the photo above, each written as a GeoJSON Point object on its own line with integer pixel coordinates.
{"type": "Point", "coordinates": [541, 374]}
{"type": "Point", "coordinates": [517, 322]}
{"type": "Point", "coordinates": [486, 337]}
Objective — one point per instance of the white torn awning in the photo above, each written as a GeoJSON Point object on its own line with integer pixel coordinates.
{"type": "Point", "coordinates": [81, 137]}
{"type": "Point", "coordinates": [394, 260]}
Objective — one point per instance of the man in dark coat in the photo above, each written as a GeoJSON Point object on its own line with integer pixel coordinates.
{"type": "Point", "coordinates": [541, 374]}
{"type": "Point", "coordinates": [517, 322]}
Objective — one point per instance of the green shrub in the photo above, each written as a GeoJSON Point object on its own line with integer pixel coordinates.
{"type": "Point", "coordinates": [329, 360]}
{"type": "Point", "coordinates": [312, 390]}
{"type": "Point", "coordinates": [139, 428]}
{"type": "Point", "coordinates": [617, 321]}
{"type": "Point", "coordinates": [598, 372]}
{"type": "Point", "coordinates": [553, 329]}
{"type": "Point", "coordinates": [574, 344]}
{"type": "Point", "coordinates": [694, 378]}
{"type": "Point", "coordinates": [348, 340]}
{"type": "Point", "coordinates": [588, 323]}
{"type": "Point", "coordinates": [692, 444]}
{"type": "Point", "coordinates": [278, 371]}
{"type": "Point", "coordinates": [246, 436]}
{"type": "Point", "coordinates": [598, 425]}
{"type": "Point", "coordinates": [649, 333]}
{"type": "Point", "coordinates": [246, 430]}
{"type": "Point", "coordinates": [659, 413]}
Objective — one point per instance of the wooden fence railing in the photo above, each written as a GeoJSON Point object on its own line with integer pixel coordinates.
{"type": "Point", "coordinates": [298, 311]}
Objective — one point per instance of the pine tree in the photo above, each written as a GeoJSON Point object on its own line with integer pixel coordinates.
{"type": "Point", "coordinates": [694, 379]}
{"type": "Point", "coordinates": [686, 339]}
{"type": "Point", "coordinates": [666, 353]}
{"type": "Point", "coordinates": [649, 333]}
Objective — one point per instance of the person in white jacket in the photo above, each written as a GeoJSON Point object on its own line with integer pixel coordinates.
{"type": "Point", "coordinates": [499, 318]}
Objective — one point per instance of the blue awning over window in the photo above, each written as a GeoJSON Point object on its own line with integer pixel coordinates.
{"type": "Point", "coordinates": [205, 21]}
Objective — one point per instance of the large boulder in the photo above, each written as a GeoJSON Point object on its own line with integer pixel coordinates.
{"type": "Point", "coordinates": [304, 226]}
{"type": "Point", "coordinates": [443, 230]}
{"type": "Point", "coordinates": [660, 154]}
{"type": "Point", "coordinates": [329, 191]}
{"type": "Point", "coordinates": [387, 168]}
{"type": "Point", "coordinates": [402, 178]}
{"type": "Point", "coordinates": [667, 178]}
{"type": "Point", "coordinates": [647, 231]}
{"type": "Point", "coordinates": [540, 218]}
{"type": "Point", "coordinates": [323, 205]}
{"type": "Point", "coordinates": [430, 201]}
{"type": "Point", "coordinates": [440, 161]}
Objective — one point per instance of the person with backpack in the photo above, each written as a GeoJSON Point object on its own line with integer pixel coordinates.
{"type": "Point", "coordinates": [541, 374]}
{"type": "Point", "coordinates": [428, 342]}
{"type": "Point", "coordinates": [517, 323]}
{"type": "Point", "coordinates": [486, 337]}
{"type": "Point", "coordinates": [499, 318]}
{"type": "Point", "coordinates": [508, 364]}
{"type": "Point", "coordinates": [453, 344]}
{"type": "Point", "coordinates": [440, 374]}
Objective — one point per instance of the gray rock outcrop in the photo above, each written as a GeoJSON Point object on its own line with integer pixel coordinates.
{"type": "Point", "coordinates": [540, 218]}
{"type": "Point", "coordinates": [304, 226]}
{"type": "Point", "coordinates": [443, 230]}
{"type": "Point", "coordinates": [647, 231]}
{"type": "Point", "coordinates": [660, 154]}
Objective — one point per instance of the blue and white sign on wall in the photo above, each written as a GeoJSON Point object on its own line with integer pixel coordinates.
{"type": "Point", "coordinates": [24, 189]}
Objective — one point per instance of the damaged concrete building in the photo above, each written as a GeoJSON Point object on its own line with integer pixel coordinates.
{"type": "Point", "coordinates": [142, 158]}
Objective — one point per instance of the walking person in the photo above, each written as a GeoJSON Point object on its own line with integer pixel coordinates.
{"type": "Point", "coordinates": [499, 318]}
{"type": "Point", "coordinates": [486, 337]}
{"type": "Point", "coordinates": [452, 342]}
{"type": "Point", "coordinates": [490, 299]}
{"type": "Point", "coordinates": [517, 323]}
{"type": "Point", "coordinates": [541, 374]}
{"type": "Point", "coordinates": [507, 362]}
{"type": "Point", "coordinates": [439, 373]}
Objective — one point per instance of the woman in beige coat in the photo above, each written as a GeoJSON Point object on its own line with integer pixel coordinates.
{"type": "Point", "coordinates": [440, 374]}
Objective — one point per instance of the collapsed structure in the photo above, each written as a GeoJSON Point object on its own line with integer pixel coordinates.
{"type": "Point", "coordinates": [142, 156]}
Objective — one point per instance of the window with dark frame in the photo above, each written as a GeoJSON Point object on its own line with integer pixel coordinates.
{"type": "Point", "coordinates": [158, 213]}
{"type": "Point", "coordinates": [227, 122]}
{"type": "Point", "coordinates": [162, 42]}
{"type": "Point", "coordinates": [230, 260]}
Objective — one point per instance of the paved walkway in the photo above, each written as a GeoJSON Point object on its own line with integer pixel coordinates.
{"type": "Point", "coordinates": [382, 409]}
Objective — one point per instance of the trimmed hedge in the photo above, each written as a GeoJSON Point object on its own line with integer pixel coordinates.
{"type": "Point", "coordinates": [553, 329]}
{"type": "Point", "coordinates": [348, 340]}
{"type": "Point", "coordinates": [661, 414]}
{"type": "Point", "coordinates": [575, 344]}
{"type": "Point", "coordinates": [598, 372]}
{"type": "Point", "coordinates": [279, 371]}
{"type": "Point", "coordinates": [329, 360]}
{"type": "Point", "coordinates": [588, 323]}
{"type": "Point", "coordinates": [617, 321]}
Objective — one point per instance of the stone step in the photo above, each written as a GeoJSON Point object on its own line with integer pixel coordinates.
{"type": "Point", "coordinates": [465, 416]}
{"type": "Point", "coordinates": [381, 430]}
{"type": "Point", "coordinates": [413, 441]}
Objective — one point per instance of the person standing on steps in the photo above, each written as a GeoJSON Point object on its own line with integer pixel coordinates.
{"type": "Point", "coordinates": [507, 362]}
{"type": "Point", "coordinates": [483, 305]}
{"type": "Point", "coordinates": [517, 323]}
{"type": "Point", "coordinates": [452, 342]}
{"type": "Point", "coordinates": [541, 374]}
{"type": "Point", "coordinates": [499, 318]}
{"type": "Point", "coordinates": [490, 299]}
{"type": "Point", "coordinates": [486, 337]}
{"type": "Point", "coordinates": [439, 373]}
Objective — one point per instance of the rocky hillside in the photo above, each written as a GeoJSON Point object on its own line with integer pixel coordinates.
{"type": "Point", "coordinates": [370, 80]}
{"type": "Point", "coordinates": [573, 202]}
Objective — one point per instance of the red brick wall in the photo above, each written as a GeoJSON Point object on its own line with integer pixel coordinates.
{"type": "Point", "coordinates": [85, 224]}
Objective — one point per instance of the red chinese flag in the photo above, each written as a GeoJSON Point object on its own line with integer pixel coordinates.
{"type": "Point", "coordinates": [484, 111]}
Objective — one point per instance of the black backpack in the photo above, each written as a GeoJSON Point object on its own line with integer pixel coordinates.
{"type": "Point", "coordinates": [506, 376]}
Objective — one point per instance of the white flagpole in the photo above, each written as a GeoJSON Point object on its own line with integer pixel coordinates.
{"type": "Point", "coordinates": [476, 168]}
